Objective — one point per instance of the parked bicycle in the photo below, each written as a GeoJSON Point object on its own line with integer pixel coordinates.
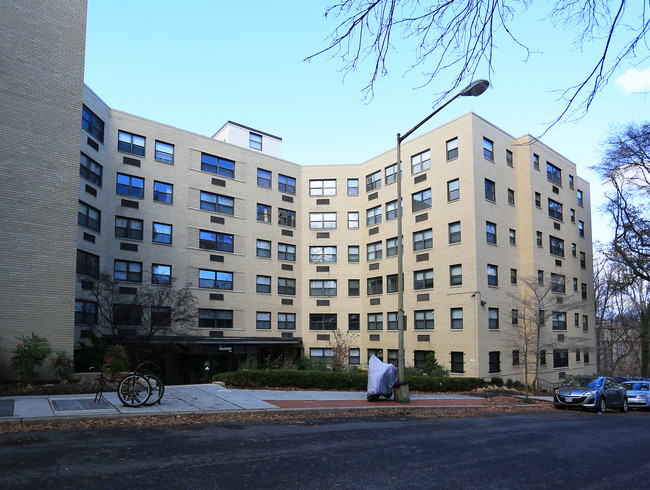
{"type": "Point", "coordinates": [141, 387]}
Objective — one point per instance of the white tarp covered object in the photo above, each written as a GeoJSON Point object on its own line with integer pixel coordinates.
{"type": "Point", "coordinates": [382, 378]}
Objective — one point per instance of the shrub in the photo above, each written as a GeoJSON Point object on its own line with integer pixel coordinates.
{"type": "Point", "coordinates": [62, 366]}
{"type": "Point", "coordinates": [29, 353]}
{"type": "Point", "coordinates": [496, 381]}
{"type": "Point", "coordinates": [432, 368]}
{"type": "Point", "coordinates": [116, 360]}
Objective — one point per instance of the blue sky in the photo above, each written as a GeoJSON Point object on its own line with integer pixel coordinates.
{"type": "Point", "coordinates": [196, 64]}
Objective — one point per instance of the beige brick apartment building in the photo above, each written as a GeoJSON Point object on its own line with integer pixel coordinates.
{"type": "Point", "coordinates": [281, 255]}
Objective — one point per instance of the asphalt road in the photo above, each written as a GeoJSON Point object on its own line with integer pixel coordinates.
{"type": "Point", "coordinates": [548, 449]}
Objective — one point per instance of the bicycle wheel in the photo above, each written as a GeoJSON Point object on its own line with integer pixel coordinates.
{"type": "Point", "coordinates": [157, 389]}
{"type": "Point", "coordinates": [134, 390]}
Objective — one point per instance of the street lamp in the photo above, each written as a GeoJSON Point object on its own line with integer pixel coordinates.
{"type": "Point", "coordinates": [402, 394]}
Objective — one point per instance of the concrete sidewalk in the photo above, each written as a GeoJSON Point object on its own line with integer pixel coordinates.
{"type": "Point", "coordinates": [209, 398]}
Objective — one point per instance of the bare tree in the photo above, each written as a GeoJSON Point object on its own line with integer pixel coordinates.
{"type": "Point", "coordinates": [537, 304]}
{"type": "Point", "coordinates": [340, 344]}
{"type": "Point", "coordinates": [462, 37]}
{"type": "Point", "coordinates": [146, 311]}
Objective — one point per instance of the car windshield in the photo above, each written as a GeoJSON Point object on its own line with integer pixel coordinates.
{"type": "Point", "coordinates": [586, 381]}
{"type": "Point", "coordinates": [636, 386]}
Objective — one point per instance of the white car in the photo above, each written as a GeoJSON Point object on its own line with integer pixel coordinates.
{"type": "Point", "coordinates": [638, 393]}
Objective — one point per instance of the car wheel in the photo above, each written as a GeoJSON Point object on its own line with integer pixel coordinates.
{"type": "Point", "coordinates": [602, 405]}
{"type": "Point", "coordinates": [623, 408]}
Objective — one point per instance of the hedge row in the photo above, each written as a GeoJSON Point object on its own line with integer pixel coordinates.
{"type": "Point", "coordinates": [326, 380]}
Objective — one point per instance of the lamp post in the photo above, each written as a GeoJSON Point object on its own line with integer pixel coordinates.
{"type": "Point", "coordinates": [402, 394]}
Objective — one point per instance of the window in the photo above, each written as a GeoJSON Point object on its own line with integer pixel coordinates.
{"type": "Point", "coordinates": [391, 283]}
{"type": "Point", "coordinates": [211, 240]}
{"type": "Point", "coordinates": [322, 187]}
{"type": "Point", "coordinates": [423, 320]}
{"type": "Point", "coordinates": [555, 209]}
{"type": "Point", "coordinates": [217, 165]}
{"type": "Point", "coordinates": [492, 275]}
{"type": "Point", "coordinates": [217, 203]}
{"type": "Point", "coordinates": [583, 290]}
{"type": "Point", "coordinates": [90, 170]}
{"type": "Point", "coordinates": [513, 276]}
{"type": "Point", "coordinates": [92, 124]}
{"type": "Point", "coordinates": [583, 260]}
{"type": "Point", "coordinates": [423, 239]}
{"type": "Point", "coordinates": [512, 236]}
{"type": "Point", "coordinates": [540, 240]}
{"type": "Point", "coordinates": [215, 279]}
{"type": "Point", "coordinates": [353, 220]}
{"type": "Point", "coordinates": [577, 355]}
{"type": "Point", "coordinates": [286, 321]}
{"type": "Point", "coordinates": [488, 149]}
{"type": "Point", "coordinates": [558, 283]}
{"type": "Point", "coordinates": [353, 253]}
{"type": "Point", "coordinates": [509, 158]}
{"type": "Point", "coordinates": [374, 251]}
{"type": "Point", "coordinates": [572, 213]}
{"type": "Point", "coordinates": [453, 190]}
{"type": "Point", "coordinates": [130, 143]}
{"type": "Point", "coordinates": [393, 357]}
{"type": "Point", "coordinates": [423, 279]}
{"type": "Point", "coordinates": [373, 216]}
{"type": "Point", "coordinates": [535, 161]}
{"type": "Point", "coordinates": [375, 285]}
{"type": "Point", "coordinates": [287, 217]}
{"type": "Point", "coordinates": [255, 141]}
{"type": "Point", "coordinates": [391, 173]}
{"type": "Point", "coordinates": [452, 149]}
{"type": "Point", "coordinates": [353, 187]}
{"type": "Point", "coordinates": [128, 228]}
{"type": "Point", "coordinates": [570, 181]}
{"type": "Point", "coordinates": [320, 287]}
{"type": "Point", "coordinates": [354, 287]}
{"type": "Point", "coordinates": [89, 216]}
{"type": "Point", "coordinates": [354, 321]}
{"type": "Point", "coordinates": [493, 318]}
{"type": "Point", "coordinates": [263, 284]}
{"type": "Point", "coordinates": [490, 232]}
{"type": "Point", "coordinates": [538, 200]}
{"type": "Point", "coordinates": [515, 358]}
{"type": "Point", "coordinates": [322, 254]}
{"type": "Point", "coordinates": [581, 201]}
{"type": "Point", "coordinates": [391, 247]}
{"type": "Point", "coordinates": [421, 162]}
{"type": "Point", "coordinates": [354, 357]}
{"type": "Point", "coordinates": [454, 232]}
{"type": "Point", "coordinates": [456, 275]}
{"type": "Point", "coordinates": [556, 246]}
{"type": "Point", "coordinates": [164, 152]}
{"type": "Point", "coordinates": [87, 264]}
{"type": "Point", "coordinates": [163, 192]}
{"type": "Point", "coordinates": [490, 192]}
{"type": "Point", "coordinates": [560, 358]}
{"type": "Point", "coordinates": [322, 321]}
{"type": "Point", "coordinates": [576, 319]}
{"type": "Point", "coordinates": [494, 362]}
{"type": "Point", "coordinates": [553, 173]}
{"type": "Point", "coordinates": [129, 185]}
{"type": "Point", "coordinates": [375, 321]}
{"type": "Point", "coordinates": [286, 184]}
{"type": "Point", "coordinates": [161, 274]}
{"type": "Point", "coordinates": [378, 353]}
{"type": "Point", "coordinates": [127, 314]}
{"type": "Point", "coordinates": [322, 221]}
{"type": "Point", "coordinates": [456, 315]}
{"type": "Point", "coordinates": [421, 200]}
{"type": "Point", "coordinates": [581, 229]}
{"type": "Point", "coordinates": [575, 285]}
{"type": "Point", "coordinates": [85, 312]}
{"type": "Point", "coordinates": [263, 178]}
{"type": "Point", "coordinates": [540, 277]}
{"type": "Point", "coordinates": [514, 317]}
{"type": "Point", "coordinates": [392, 321]}
{"type": "Point", "coordinates": [457, 362]}
{"type": "Point", "coordinates": [542, 357]}
{"type": "Point", "coordinates": [559, 320]}
{"type": "Point", "coordinates": [209, 318]}
{"type": "Point", "coordinates": [511, 197]}
{"type": "Point", "coordinates": [574, 249]}
{"type": "Point", "coordinates": [391, 210]}
{"type": "Point", "coordinates": [286, 252]}
{"type": "Point", "coordinates": [585, 323]}
{"type": "Point", "coordinates": [263, 213]}
{"type": "Point", "coordinates": [373, 181]}
{"type": "Point", "coordinates": [287, 285]}
{"type": "Point", "coordinates": [320, 354]}
{"type": "Point", "coordinates": [124, 270]}
{"type": "Point", "coordinates": [161, 316]}
{"type": "Point", "coordinates": [263, 248]}
{"type": "Point", "coordinates": [263, 320]}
